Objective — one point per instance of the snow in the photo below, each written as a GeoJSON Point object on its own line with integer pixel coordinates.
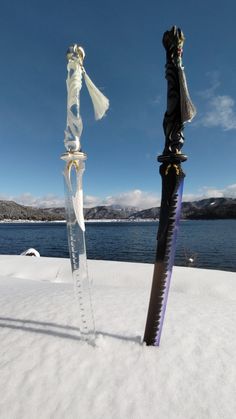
{"type": "Point", "coordinates": [48, 371]}
{"type": "Point", "coordinates": [31, 252]}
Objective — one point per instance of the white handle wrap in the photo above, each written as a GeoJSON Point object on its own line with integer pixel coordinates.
{"type": "Point", "coordinates": [74, 125]}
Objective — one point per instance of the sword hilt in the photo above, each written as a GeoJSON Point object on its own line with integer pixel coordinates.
{"type": "Point", "coordinates": [180, 108]}
{"type": "Point", "coordinates": [173, 126]}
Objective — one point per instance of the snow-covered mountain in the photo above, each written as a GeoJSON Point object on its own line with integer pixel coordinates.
{"type": "Point", "coordinates": [211, 208]}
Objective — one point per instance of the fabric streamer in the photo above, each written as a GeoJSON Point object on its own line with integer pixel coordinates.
{"type": "Point", "coordinates": [100, 102]}
{"type": "Point", "coordinates": [188, 110]}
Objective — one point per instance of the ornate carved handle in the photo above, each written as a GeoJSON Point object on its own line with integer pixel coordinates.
{"type": "Point", "coordinates": [179, 105]}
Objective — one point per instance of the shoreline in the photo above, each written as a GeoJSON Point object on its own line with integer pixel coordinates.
{"type": "Point", "coordinates": [119, 220]}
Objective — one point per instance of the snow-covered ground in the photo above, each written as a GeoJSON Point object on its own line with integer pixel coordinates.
{"type": "Point", "coordinates": [48, 371]}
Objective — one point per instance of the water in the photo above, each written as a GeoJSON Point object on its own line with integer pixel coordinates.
{"type": "Point", "coordinates": [210, 243]}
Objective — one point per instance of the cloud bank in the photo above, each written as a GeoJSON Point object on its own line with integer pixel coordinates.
{"type": "Point", "coordinates": [28, 199]}
{"type": "Point", "coordinates": [135, 198]}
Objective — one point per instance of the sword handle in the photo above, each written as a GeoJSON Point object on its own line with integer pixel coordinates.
{"type": "Point", "coordinates": [180, 108]}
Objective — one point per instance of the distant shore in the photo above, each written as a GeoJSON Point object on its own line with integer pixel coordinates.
{"type": "Point", "coordinates": [136, 220]}
{"type": "Point", "coordinates": [9, 221]}
{"type": "Point", "coordinates": [205, 209]}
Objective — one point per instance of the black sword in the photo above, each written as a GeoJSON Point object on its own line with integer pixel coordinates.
{"type": "Point", "coordinates": [179, 110]}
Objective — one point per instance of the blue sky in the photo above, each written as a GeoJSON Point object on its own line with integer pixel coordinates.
{"type": "Point", "coordinates": [125, 58]}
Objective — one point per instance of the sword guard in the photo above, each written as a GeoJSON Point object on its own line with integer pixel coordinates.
{"type": "Point", "coordinates": [172, 158]}
{"type": "Point", "coordinates": [73, 156]}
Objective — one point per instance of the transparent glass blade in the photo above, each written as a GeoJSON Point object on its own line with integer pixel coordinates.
{"type": "Point", "coordinates": [77, 247]}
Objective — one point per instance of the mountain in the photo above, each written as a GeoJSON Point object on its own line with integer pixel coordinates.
{"type": "Point", "coordinates": [151, 213]}
{"type": "Point", "coordinates": [211, 208]}
{"type": "Point", "coordinates": [10, 210]}
{"type": "Point", "coordinates": [205, 209]}
{"type": "Point", "coordinates": [108, 212]}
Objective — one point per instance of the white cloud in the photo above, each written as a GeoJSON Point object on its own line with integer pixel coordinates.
{"type": "Point", "coordinates": [28, 199]}
{"type": "Point", "coordinates": [231, 191]}
{"type": "Point", "coordinates": [214, 84]}
{"type": "Point", "coordinates": [220, 110]}
{"type": "Point", "coordinates": [141, 199]}
{"type": "Point", "coordinates": [227, 192]}
{"type": "Point", "coordinates": [135, 198]}
{"type": "Point", "coordinates": [211, 192]}
{"type": "Point", "coordinates": [91, 201]}
{"type": "Point", "coordinates": [205, 192]}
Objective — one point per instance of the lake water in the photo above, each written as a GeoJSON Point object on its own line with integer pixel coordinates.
{"type": "Point", "coordinates": [210, 243]}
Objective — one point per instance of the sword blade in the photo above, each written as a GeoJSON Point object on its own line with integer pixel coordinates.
{"type": "Point", "coordinates": [167, 235]}
{"type": "Point", "coordinates": [77, 247]}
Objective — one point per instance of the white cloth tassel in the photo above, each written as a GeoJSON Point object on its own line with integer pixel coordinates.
{"type": "Point", "coordinates": [188, 110]}
{"type": "Point", "coordinates": [100, 102]}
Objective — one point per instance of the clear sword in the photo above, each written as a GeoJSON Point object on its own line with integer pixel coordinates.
{"type": "Point", "coordinates": [73, 173]}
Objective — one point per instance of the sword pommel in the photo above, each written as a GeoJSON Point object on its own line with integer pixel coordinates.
{"type": "Point", "coordinates": [173, 42]}
{"type": "Point", "coordinates": [75, 53]}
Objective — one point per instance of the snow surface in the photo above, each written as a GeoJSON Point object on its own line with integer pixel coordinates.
{"type": "Point", "coordinates": [48, 371]}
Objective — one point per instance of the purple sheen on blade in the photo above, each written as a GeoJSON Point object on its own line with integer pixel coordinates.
{"type": "Point", "coordinates": [170, 261]}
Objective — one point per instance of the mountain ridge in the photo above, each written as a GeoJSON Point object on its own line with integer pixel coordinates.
{"type": "Point", "coordinates": [209, 208]}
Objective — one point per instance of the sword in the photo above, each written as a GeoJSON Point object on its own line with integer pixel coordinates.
{"type": "Point", "coordinates": [180, 110]}
{"type": "Point", "coordinates": [73, 173]}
